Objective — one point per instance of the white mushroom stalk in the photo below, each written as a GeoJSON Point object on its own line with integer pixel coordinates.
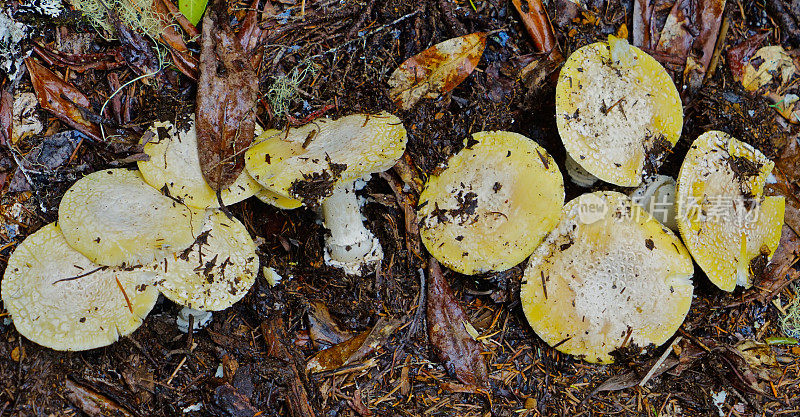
{"type": "Point", "coordinates": [350, 246]}
{"type": "Point", "coordinates": [657, 196]}
{"type": "Point", "coordinates": [578, 175]}
{"type": "Point", "coordinates": [201, 319]}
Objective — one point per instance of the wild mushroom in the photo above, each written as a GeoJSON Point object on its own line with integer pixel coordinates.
{"type": "Point", "coordinates": [60, 299]}
{"type": "Point", "coordinates": [728, 225]}
{"type": "Point", "coordinates": [608, 276]}
{"type": "Point", "coordinates": [213, 273]}
{"type": "Point", "coordinates": [267, 196]}
{"type": "Point", "coordinates": [492, 205]}
{"type": "Point", "coordinates": [657, 196]}
{"type": "Point", "coordinates": [617, 110]}
{"type": "Point", "coordinates": [319, 163]}
{"type": "Point", "coordinates": [174, 166]}
{"type": "Point", "coordinates": [115, 218]}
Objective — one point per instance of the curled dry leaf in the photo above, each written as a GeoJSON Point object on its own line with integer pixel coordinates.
{"type": "Point", "coordinates": [62, 99]}
{"type": "Point", "coordinates": [355, 349]}
{"type": "Point", "coordinates": [226, 97]}
{"type": "Point", "coordinates": [534, 17]}
{"type": "Point", "coordinates": [6, 116]}
{"type": "Point", "coordinates": [436, 70]}
{"type": "Point", "coordinates": [448, 334]}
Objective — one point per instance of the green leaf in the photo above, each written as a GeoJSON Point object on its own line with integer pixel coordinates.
{"type": "Point", "coordinates": [193, 9]}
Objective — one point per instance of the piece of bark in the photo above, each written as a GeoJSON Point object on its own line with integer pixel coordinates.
{"type": "Point", "coordinates": [297, 399]}
{"type": "Point", "coordinates": [226, 97]}
{"type": "Point", "coordinates": [448, 334]}
{"type": "Point", "coordinates": [92, 402]}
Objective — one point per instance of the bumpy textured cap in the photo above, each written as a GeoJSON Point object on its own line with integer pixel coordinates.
{"type": "Point", "coordinates": [492, 205]}
{"type": "Point", "coordinates": [307, 162]}
{"type": "Point", "coordinates": [725, 220]}
{"type": "Point", "coordinates": [618, 111]}
{"type": "Point", "coordinates": [174, 163]}
{"type": "Point", "coordinates": [60, 299]}
{"type": "Point", "coordinates": [216, 271]}
{"type": "Point", "coordinates": [608, 275]}
{"type": "Point", "coordinates": [114, 217]}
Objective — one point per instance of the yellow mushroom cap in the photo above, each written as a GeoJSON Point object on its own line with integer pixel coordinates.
{"type": "Point", "coordinates": [216, 271]}
{"type": "Point", "coordinates": [618, 111]}
{"type": "Point", "coordinates": [723, 217]}
{"type": "Point", "coordinates": [114, 217]}
{"type": "Point", "coordinates": [174, 163]}
{"type": "Point", "coordinates": [270, 197]}
{"type": "Point", "coordinates": [608, 274]}
{"type": "Point", "coordinates": [60, 299]}
{"type": "Point", "coordinates": [492, 205]}
{"type": "Point", "coordinates": [307, 162]}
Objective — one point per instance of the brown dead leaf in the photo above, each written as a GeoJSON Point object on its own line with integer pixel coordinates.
{"type": "Point", "coordinates": [323, 329]}
{"type": "Point", "coordinates": [226, 97]}
{"type": "Point", "coordinates": [6, 116]}
{"type": "Point", "coordinates": [448, 334]}
{"type": "Point", "coordinates": [436, 70]}
{"type": "Point", "coordinates": [534, 17]}
{"type": "Point", "coordinates": [355, 349]}
{"type": "Point", "coordinates": [62, 99]}
{"type": "Point", "coordinates": [739, 55]}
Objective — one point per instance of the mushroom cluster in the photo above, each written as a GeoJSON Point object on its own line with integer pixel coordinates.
{"type": "Point", "coordinates": [95, 275]}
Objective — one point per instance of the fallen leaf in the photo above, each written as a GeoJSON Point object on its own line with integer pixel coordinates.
{"type": "Point", "coordinates": [226, 97]}
{"type": "Point", "coordinates": [436, 70]}
{"type": "Point", "coordinates": [323, 329]}
{"type": "Point", "coordinates": [92, 402]}
{"type": "Point", "coordinates": [6, 116]}
{"type": "Point", "coordinates": [452, 343]}
{"type": "Point", "coordinates": [708, 17]}
{"type": "Point", "coordinates": [739, 55]}
{"type": "Point", "coordinates": [353, 350]}
{"type": "Point", "coordinates": [534, 17]}
{"type": "Point", "coordinates": [62, 99]}
{"type": "Point", "coordinates": [193, 9]}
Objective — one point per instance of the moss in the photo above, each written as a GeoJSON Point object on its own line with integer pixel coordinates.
{"type": "Point", "coordinates": [284, 88]}
{"type": "Point", "coordinates": [790, 323]}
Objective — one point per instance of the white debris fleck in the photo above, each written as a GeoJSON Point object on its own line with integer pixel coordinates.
{"type": "Point", "coordinates": [272, 276]}
{"type": "Point", "coordinates": [718, 399]}
{"type": "Point", "coordinates": [194, 407]}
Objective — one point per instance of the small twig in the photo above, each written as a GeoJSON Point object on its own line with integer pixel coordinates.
{"type": "Point", "coordinates": [421, 306]}
{"type": "Point", "coordinates": [100, 268]}
{"type": "Point", "coordinates": [660, 361]}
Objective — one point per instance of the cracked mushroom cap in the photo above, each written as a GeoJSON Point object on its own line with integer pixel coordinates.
{"type": "Point", "coordinates": [609, 275]}
{"type": "Point", "coordinates": [175, 164]}
{"type": "Point", "coordinates": [115, 218]}
{"type": "Point", "coordinates": [726, 222]}
{"type": "Point", "coordinates": [307, 162]}
{"type": "Point", "coordinates": [60, 299]}
{"type": "Point", "coordinates": [492, 205]}
{"type": "Point", "coordinates": [618, 111]}
{"type": "Point", "coordinates": [216, 271]}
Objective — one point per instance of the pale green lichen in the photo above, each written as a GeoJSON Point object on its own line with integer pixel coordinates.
{"type": "Point", "coordinates": [136, 14]}
{"type": "Point", "coordinates": [790, 323]}
{"type": "Point", "coordinates": [284, 88]}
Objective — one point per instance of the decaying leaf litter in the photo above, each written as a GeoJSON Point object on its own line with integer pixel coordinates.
{"type": "Point", "coordinates": [731, 355]}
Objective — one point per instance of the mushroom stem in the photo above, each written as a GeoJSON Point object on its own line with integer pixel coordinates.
{"type": "Point", "coordinates": [657, 196]}
{"type": "Point", "coordinates": [578, 175]}
{"type": "Point", "coordinates": [201, 319]}
{"type": "Point", "coordinates": [350, 245]}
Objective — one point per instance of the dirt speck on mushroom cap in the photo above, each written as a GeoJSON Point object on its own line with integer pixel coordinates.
{"type": "Point", "coordinates": [492, 205]}
{"type": "Point", "coordinates": [307, 162]}
{"type": "Point", "coordinates": [114, 217]}
{"type": "Point", "coordinates": [612, 118]}
{"type": "Point", "coordinates": [608, 274]}
{"type": "Point", "coordinates": [216, 271]}
{"type": "Point", "coordinates": [60, 299]}
{"type": "Point", "coordinates": [723, 216]}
